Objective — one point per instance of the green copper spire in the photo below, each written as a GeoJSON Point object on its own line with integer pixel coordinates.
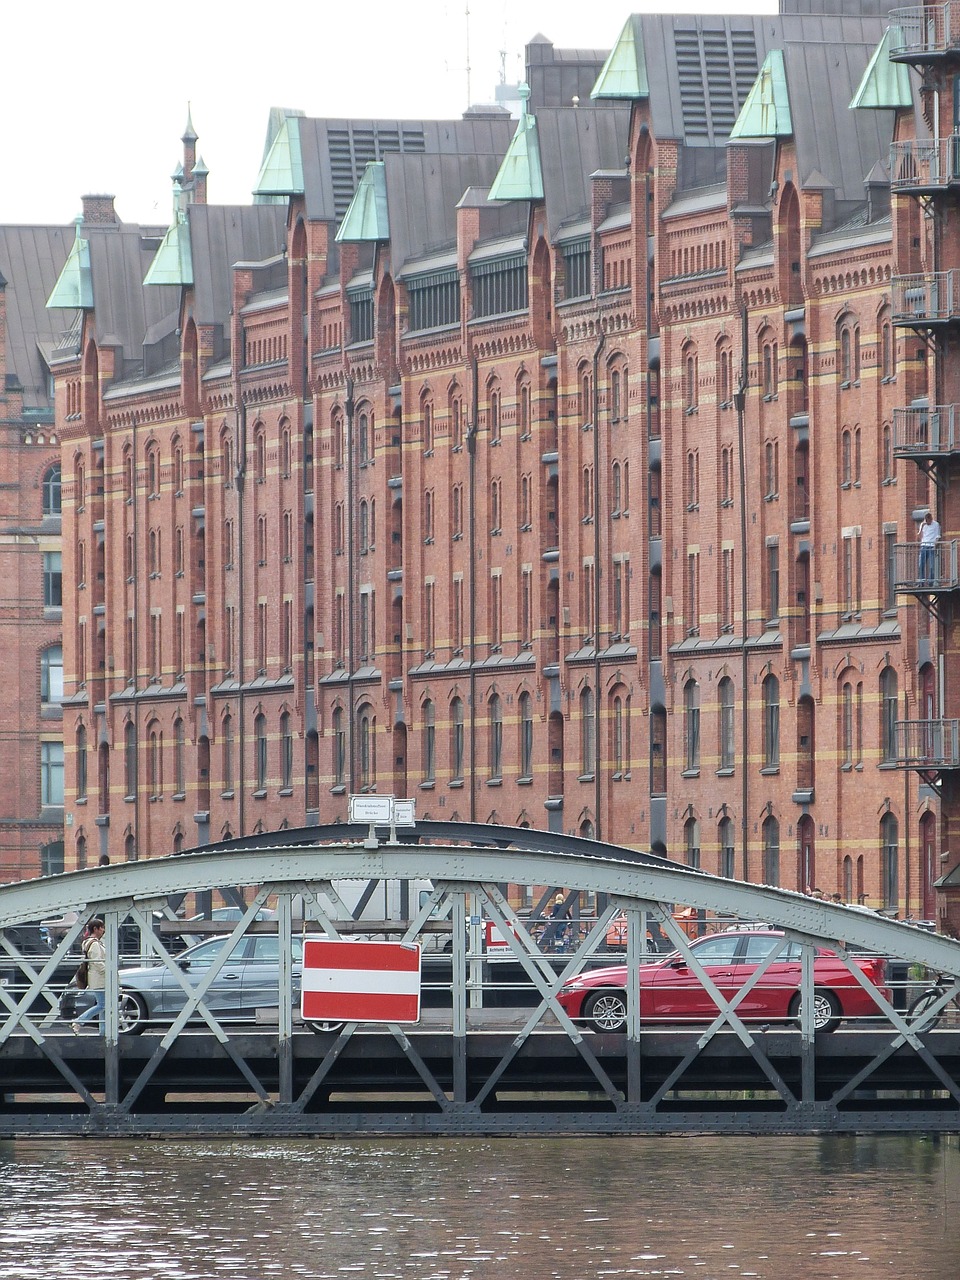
{"type": "Point", "coordinates": [74, 287]}
{"type": "Point", "coordinates": [282, 171]}
{"type": "Point", "coordinates": [885, 84]}
{"type": "Point", "coordinates": [766, 112]}
{"type": "Point", "coordinates": [624, 74]}
{"type": "Point", "coordinates": [520, 176]}
{"type": "Point", "coordinates": [367, 217]}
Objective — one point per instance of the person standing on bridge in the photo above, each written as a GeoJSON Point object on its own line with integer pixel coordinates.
{"type": "Point", "coordinates": [96, 955]}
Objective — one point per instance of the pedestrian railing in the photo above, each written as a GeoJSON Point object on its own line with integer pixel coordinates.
{"type": "Point", "coordinates": [919, 569]}
{"type": "Point", "coordinates": [925, 432]}
{"type": "Point", "coordinates": [933, 744]}
{"type": "Point", "coordinates": [925, 165]}
{"type": "Point", "coordinates": [924, 29]}
{"type": "Point", "coordinates": [933, 297]}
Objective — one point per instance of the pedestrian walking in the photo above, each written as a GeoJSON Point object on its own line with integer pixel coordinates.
{"type": "Point", "coordinates": [95, 955]}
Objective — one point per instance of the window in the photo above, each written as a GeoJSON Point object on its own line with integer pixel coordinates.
{"type": "Point", "coordinates": [846, 459]}
{"type": "Point", "coordinates": [889, 859]}
{"type": "Point", "coordinates": [770, 358]}
{"type": "Point", "coordinates": [429, 742]}
{"type": "Point", "coordinates": [691, 720]}
{"type": "Point", "coordinates": [725, 376]}
{"type": "Point", "coordinates": [691, 840]}
{"type": "Point", "coordinates": [226, 736]}
{"type": "Point", "coordinates": [888, 715]}
{"type": "Point", "coordinates": [155, 758]}
{"type": "Point", "coordinates": [179, 761]}
{"type": "Point", "coordinates": [368, 748]}
{"type": "Point", "coordinates": [51, 492]}
{"type": "Point", "coordinates": [771, 723]}
{"type": "Point", "coordinates": [588, 732]}
{"type": "Point", "coordinates": [526, 736]}
{"type": "Point", "coordinates": [434, 299]}
{"type": "Point", "coordinates": [81, 763]}
{"type": "Point", "coordinates": [693, 593]}
{"type": "Point", "coordinates": [773, 582]}
{"type": "Point", "coordinates": [260, 751]}
{"type": "Point", "coordinates": [493, 414]}
{"type": "Point", "coordinates": [52, 580]}
{"type": "Point", "coordinates": [690, 379]}
{"type": "Point", "coordinates": [456, 739]}
{"type": "Point", "coordinates": [339, 747]}
{"type": "Point", "coordinates": [725, 840]}
{"type": "Point", "coordinates": [771, 455]}
{"type": "Point", "coordinates": [846, 725]}
{"type": "Point", "coordinates": [693, 480]}
{"type": "Point", "coordinates": [621, 735]}
{"type": "Point", "coordinates": [726, 476]}
{"type": "Point", "coordinates": [51, 773]}
{"type": "Point", "coordinates": [851, 570]}
{"type": "Point", "coordinates": [771, 851]}
{"type": "Point", "coordinates": [495, 712]}
{"type": "Point", "coordinates": [426, 418]}
{"type": "Point", "coordinates": [286, 752]}
{"type": "Point", "coordinates": [499, 287]}
{"type": "Point", "coordinates": [51, 674]}
{"type": "Point", "coordinates": [130, 760]}
{"type": "Point", "coordinates": [727, 723]}
{"type": "Point", "coordinates": [361, 315]}
{"type": "Point", "coordinates": [576, 264]}
{"type": "Point", "coordinates": [658, 752]}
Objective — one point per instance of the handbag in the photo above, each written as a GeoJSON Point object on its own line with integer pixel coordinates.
{"type": "Point", "coordinates": [79, 979]}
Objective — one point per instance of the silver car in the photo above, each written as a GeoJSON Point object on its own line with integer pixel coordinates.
{"type": "Point", "coordinates": [248, 980]}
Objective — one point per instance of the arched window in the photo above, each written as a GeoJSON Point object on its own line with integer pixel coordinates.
{"type": "Point", "coordinates": [429, 742]}
{"type": "Point", "coordinates": [691, 839]}
{"type": "Point", "coordinates": [495, 711]}
{"type": "Point", "coordinates": [51, 674]}
{"type": "Point", "coordinates": [727, 851]}
{"type": "Point", "coordinates": [691, 725]}
{"type": "Point", "coordinates": [456, 739]}
{"type": "Point", "coordinates": [771, 851]}
{"type": "Point", "coordinates": [889, 860]}
{"type": "Point", "coordinates": [726, 695]}
{"type": "Point", "coordinates": [51, 491]}
{"type": "Point", "coordinates": [155, 741]}
{"type": "Point", "coordinates": [226, 742]}
{"type": "Point", "coordinates": [588, 731]}
{"type": "Point", "coordinates": [368, 764]}
{"type": "Point", "coordinates": [363, 435]}
{"type": "Point", "coordinates": [130, 760]}
{"type": "Point", "coordinates": [620, 735]}
{"type": "Point", "coordinates": [260, 751]}
{"type": "Point", "coordinates": [179, 759]}
{"type": "Point", "coordinates": [526, 736]}
{"type": "Point", "coordinates": [81, 751]}
{"type": "Point", "coordinates": [771, 722]}
{"type": "Point", "coordinates": [846, 724]}
{"type": "Point", "coordinates": [339, 747]}
{"type": "Point", "coordinates": [806, 853]}
{"type": "Point", "coordinates": [426, 417]}
{"type": "Point", "coordinates": [286, 752]}
{"type": "Point", "coordinates": [888, 715]}
{"type": "Point", "coordinates": [493, 414]}
{"type": "Point", "coordinates": [690, 378]}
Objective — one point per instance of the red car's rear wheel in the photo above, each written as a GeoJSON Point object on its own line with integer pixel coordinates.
{"type": "Point", "coordinates": [826, 1010]}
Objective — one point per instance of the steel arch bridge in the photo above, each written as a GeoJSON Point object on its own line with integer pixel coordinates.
{"type": "Point", "coordinates": [495, 1054]}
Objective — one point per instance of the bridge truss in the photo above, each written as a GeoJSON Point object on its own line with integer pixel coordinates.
{"type": "Point", "coordinates": [495, 1053]}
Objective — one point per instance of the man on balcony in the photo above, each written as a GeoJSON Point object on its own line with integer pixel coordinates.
{"type": "Point", "coordinates": [929, 533]}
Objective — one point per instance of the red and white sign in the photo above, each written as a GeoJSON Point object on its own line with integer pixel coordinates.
{"type": "Point", "coordinates": [359, 981]}
{"type": "Point", "coordinates": [497, 942]}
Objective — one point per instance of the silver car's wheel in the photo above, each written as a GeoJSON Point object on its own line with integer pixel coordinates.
{"type": "Point", "coordinates": [320, 1027]}
{"type": "Point", "coordinates": [133, 1013]}
{"type": "Point", "coordinates": [606, 1010]}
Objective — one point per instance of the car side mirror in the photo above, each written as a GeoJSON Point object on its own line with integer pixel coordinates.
{"type": "Point", "coordinates": [183, 964]}
{"type": "Point", "coordinates": [679, 963]}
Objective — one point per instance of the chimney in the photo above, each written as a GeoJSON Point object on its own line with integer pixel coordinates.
{"type": "Point", "coordinates": [98, 210]}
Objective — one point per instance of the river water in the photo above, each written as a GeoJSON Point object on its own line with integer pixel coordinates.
{"type": "Point", "coordinates": [554, 1209]}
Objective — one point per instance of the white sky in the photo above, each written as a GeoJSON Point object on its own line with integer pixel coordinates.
{"type": "Point", "coordinates": [94, 98]}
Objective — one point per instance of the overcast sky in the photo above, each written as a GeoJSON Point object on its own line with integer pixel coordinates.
{"type": "Point", "coordinates": [94, 98]}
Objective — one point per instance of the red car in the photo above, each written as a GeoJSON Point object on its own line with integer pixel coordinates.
{"type": "Point", "coordinates": [670, 991]}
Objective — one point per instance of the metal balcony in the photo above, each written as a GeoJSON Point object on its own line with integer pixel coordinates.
{"type": "Point", "coordinates": [926, 432]}
{"type": "Point", "coordinates": [924, 32]}
{"type": "Point", "coordinates": [924, 301]}
{"type": "Point", "coordinates": [928, 744]}
{"type": "Point", "coordinates": [925, 167]}
{"type": "Point", "coordinates": [935, 576]}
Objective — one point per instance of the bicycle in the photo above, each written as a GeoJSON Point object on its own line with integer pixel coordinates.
{"type": "Point", "coordinates": [931, 997]}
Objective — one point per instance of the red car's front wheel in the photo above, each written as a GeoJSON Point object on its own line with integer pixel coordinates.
{"type": "Point", "coordinates": [606, 1010]}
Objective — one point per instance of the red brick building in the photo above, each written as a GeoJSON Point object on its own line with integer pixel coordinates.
{"type": "Point", "coordinates": [31, 806]}
{"type": "Point", "coordinates": [549, 472]}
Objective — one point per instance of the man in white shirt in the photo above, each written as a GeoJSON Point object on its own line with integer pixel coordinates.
{"type": "Point", "coordinates": [929, 534]}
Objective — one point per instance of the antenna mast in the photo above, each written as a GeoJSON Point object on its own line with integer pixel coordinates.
{"type": "Point", "coordinates": [466, 14]}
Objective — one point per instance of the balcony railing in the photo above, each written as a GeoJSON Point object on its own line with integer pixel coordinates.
{"type": "Point", "coordinates": [933, 298]}
{"type": "Point", "coordinates": [925, 165]}
{"type": "Point", "coordinates": [926, 29]}
{"type": "Point", "coordinates": [914, 573]}
{"type": "Point", "coordinates": [930, 744]}
{"type": "Point", "coordinates": [925, 433]}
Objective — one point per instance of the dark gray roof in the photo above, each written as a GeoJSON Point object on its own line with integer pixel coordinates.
{"type": "Point", "coordinates": [423, 192]}
{"type": "Point", "coordinates": [574, 143]}
{"type": "Point", "coordinates": [31, 259]}
{"type": "Point", "coordinates": [335, 153]}
{"type": "Point", "coordinates": [557, 76]}
{"type": "Point", "coordinates": [120, 254]}
{"type": "Point", "coordinates": [221, 235]}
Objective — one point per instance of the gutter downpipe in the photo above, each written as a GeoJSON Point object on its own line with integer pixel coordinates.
{"type": "Point", "coordinates": [597, 595]}
{"type": "Point", "coordinates": [472, 557]}
{"type": "Point", "coordinates": [740, 400]}
{"type": "Point", "coordinates": [348, 409]}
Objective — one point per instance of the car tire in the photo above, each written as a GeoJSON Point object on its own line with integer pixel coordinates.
{"type": "Point", "coordinates": [826, 1010]}
{"type": "Point", "coordinates": [321, 1028]}
{"type": "Point", "coordinates": [133, 1013]}
{"type": "Point", "coordinates": [606, 1010]}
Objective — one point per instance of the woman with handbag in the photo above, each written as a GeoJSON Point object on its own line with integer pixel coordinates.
{"type": "Point", "coordinates": [95, 955]}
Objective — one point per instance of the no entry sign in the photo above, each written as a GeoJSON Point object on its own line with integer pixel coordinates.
{"type": "Point", "coordinates": [360, 981]}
